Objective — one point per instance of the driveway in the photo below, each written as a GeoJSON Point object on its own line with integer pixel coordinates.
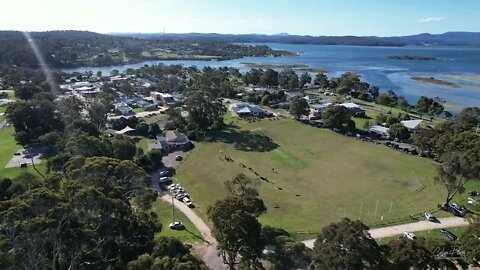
{"type": "Point", "coordinates": [169, 160]}
{"type": "Point", "coordinates": [390, 231]}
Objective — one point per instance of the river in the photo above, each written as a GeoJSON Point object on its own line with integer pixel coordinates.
{"type": "Point", "coordinates": [459, 65]}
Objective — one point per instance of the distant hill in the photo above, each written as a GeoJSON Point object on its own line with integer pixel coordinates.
{"type": "Point", "coordinates": [447, 39]}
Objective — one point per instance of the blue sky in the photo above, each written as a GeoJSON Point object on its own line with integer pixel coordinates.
{"type": "Point", "coordinates": [305, 17]}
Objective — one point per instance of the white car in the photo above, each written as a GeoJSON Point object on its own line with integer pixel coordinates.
{"type": "Point", "coordinates": [429, 216]}
{"type": "Point", "coordinates": [472, 201]}
{"type": "Point", "coordinates": [187, 201]}
{"type": "Point", "coordinates": [177, 225]}
{"type": "Point", "coordinates": [410, 235]}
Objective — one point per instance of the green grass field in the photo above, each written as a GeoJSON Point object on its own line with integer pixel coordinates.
{"type": "Point", "coordinates": [164, 212]}
{"type": "Point", "coordinates": [156, 118]}
{"type": "Point", "coordinates": [8, 146]}
{"type": "Point", "coordinates": [315, 175]}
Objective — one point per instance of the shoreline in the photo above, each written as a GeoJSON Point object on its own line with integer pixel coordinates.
{"type": "Point", "coordinates": [299, 67]}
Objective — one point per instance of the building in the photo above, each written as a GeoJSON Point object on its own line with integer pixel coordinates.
{"type": "Point", "coordinates": [245, 110]}
{"type": "Point", "coordinates": [317, 109]}
{"type": "Point", "coordinates": [354, 109]}
{"type": "Point", "coordinates": [412, 125]}
{"type": "Point", "coordinates": [123, 108]}
{"type": "Point", "coordinates": [310, 99]}
{"type": "Point", "coordinates": [379, 130]}
{"type": "Point", "coordinates": [172, 140]}
{"type": "Point", "coordinates": [163, 99]}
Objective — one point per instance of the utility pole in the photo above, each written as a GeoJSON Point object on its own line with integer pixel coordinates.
{"type": "Point", "coordinates": [173, 209]}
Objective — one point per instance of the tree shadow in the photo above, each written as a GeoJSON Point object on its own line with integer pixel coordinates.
{"type": "Point", "coordinates": [243, 140]}
{"type": "Point", "coordinates": [197, 236]}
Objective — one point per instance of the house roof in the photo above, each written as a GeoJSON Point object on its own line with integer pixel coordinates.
{"type": "Point", "coordinates": [175, 136]}
{"type": "Point", "coordinates": [378, 129]}
{"type": "Point", "coordinates": [411, 124]}
{"type": "Point", "coordinates": [125, 130]}
{"type": "Point", "coordinates": [350, 105]}
{"type": "Point", "coordinates": [241, 108]}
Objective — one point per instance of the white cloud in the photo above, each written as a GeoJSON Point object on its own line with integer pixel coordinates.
{"type": "Point", "coordinates": [431, 19]}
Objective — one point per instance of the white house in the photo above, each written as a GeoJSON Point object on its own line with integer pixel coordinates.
{"type": "Point", "coordinates": [379, 130]}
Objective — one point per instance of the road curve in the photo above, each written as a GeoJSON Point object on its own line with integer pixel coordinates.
{"type": "Point", "coordinates": [390, 231]}
{"type": "Point", "coordinates": [207, 250]}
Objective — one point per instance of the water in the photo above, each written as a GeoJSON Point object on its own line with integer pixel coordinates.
{"type": "Point", "coordinates": [371, 63]}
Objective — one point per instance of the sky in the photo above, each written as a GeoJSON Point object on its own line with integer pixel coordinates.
{"type": "Point", "coordinates": [301, 17]}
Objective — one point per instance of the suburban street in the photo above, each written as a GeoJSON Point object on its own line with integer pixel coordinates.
{"type": "Point", "coordinates": [394, 230]}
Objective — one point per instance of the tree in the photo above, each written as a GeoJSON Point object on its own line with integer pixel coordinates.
{"type": "Point", "coordinates": [269, 78]}
{"type": "Point", "coordinates": [97, 113]}
{"type": "Point", "coordinates": [123, 148]}
{"type": "Point", "coordinates": [384, 99]}
{"type": "Point", "coordinates": [402, 103]}
{"type": "Point", "coordinates": [288, 78]}
{"type": "Point", "coordinates": [237, 231]}
{"type": "Point", "coordinates": [456, 169]}
{"type": "Point", "coordinates": [392, 119]}
{"type": "Point", "coordinates": [304, 79]}
{"type": "Point", "coordinates": [469, 117]}
{"type": "Point", "coordinates": [428, 106]}
{"type": "Point", "coordinates": [321, 80]}
{"type": "Point", "coordinates": [399, 131]}
{"type": "Point", "coordinates": [298, 107]}
{"type": "Point", "coordinates": [204, 112]}
{"type": "Point", "coordinates": [27, 91]}
{"type": "Point", "coordinates": [346, 245]}
{"type": "Point", "coordinates": [70, 109]}
{"type": "Point", "coordinates": [469, 243]}
{"type": "Point", "coordinates": [240, 186]}
{"type": "Point", "coordinates": [406, 254]}
{"type": "Point", "coordinates": [336, 117]}
{"type": "Point", "coordinates": [126, 89]}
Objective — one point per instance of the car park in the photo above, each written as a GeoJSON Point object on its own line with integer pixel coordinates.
{"type": "Point", "coordinates": [176, 225]}
{"type": "Point", "coordinates": [448, 234]}
{"type": "Point", "coordinates": [410, 235]}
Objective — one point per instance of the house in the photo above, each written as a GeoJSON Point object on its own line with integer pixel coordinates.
{"type": "Point", "coordinates": [354, 109]}
{"type": "Point", "coordinates": [245, 110]}
{"type": "Point", "coordinates": [310, 98]}
{"type": "Point", "coordinates": [123, 108]}
{"type": "Point", "coordinates": [172, 139]}
{"type": "Point", "coordinates": [317, 109]}
{"type": "Point", "coordinates": [379, 130]}
{"type": "Point", "coordinates": [412, 125]}
{"type": "Point", "coordinates": [163, 99]}
{"type": "Point", "coordinates": [293, 95]}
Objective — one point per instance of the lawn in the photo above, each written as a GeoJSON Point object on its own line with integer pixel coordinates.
{"type": "Point", "coordinates": [143, 143]}
{"type": "Point", "coordinates": [314, 176]}
{"type": "Point", "coordinates": [155, 118]}
{"type": "Point", "coordinates": [8, 146]}
{"type": "Point", "coordinates": [164, 212]}
{"type": "Point", "coordinates": [137, 110]}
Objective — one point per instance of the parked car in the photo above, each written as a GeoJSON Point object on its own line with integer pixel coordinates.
{"type": "Point", "coordinates": [180, 196]}
{"type": "Point", "coordinates": [448, 234]}
{"type": "Point", "coordinates": [164, 180]}
{"type": "Point", "coordinates": [457, 209]}
{"type": "Point", "coordinates": [410, 235]}
{"type": "Point", "coordinates": [177, 225]}
{"type": "Point", "coordinates": [165, 173]}
{"type": "Point", "coordinates": [187, 201]}
{"type": "Point", "coordinates": [178, 158]}
{"type": "Point", "coordinates": [472, 201]}
{"type": "Point", "coordinates": [429, 216]}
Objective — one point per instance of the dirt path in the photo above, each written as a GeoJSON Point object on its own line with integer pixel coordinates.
{"type": "Point", "coordinates": [207, 250]}
{"type": "Point", "coordinates": [389, 231]}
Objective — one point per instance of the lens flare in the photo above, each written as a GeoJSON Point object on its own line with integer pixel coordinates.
{"type": "Point", "coordinates": [41, 61]}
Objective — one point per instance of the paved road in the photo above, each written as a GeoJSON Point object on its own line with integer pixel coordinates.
{"type": "Point", "coordinates": [389, 231]}
{"type": "Point", "coordinates": [3, 123]}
